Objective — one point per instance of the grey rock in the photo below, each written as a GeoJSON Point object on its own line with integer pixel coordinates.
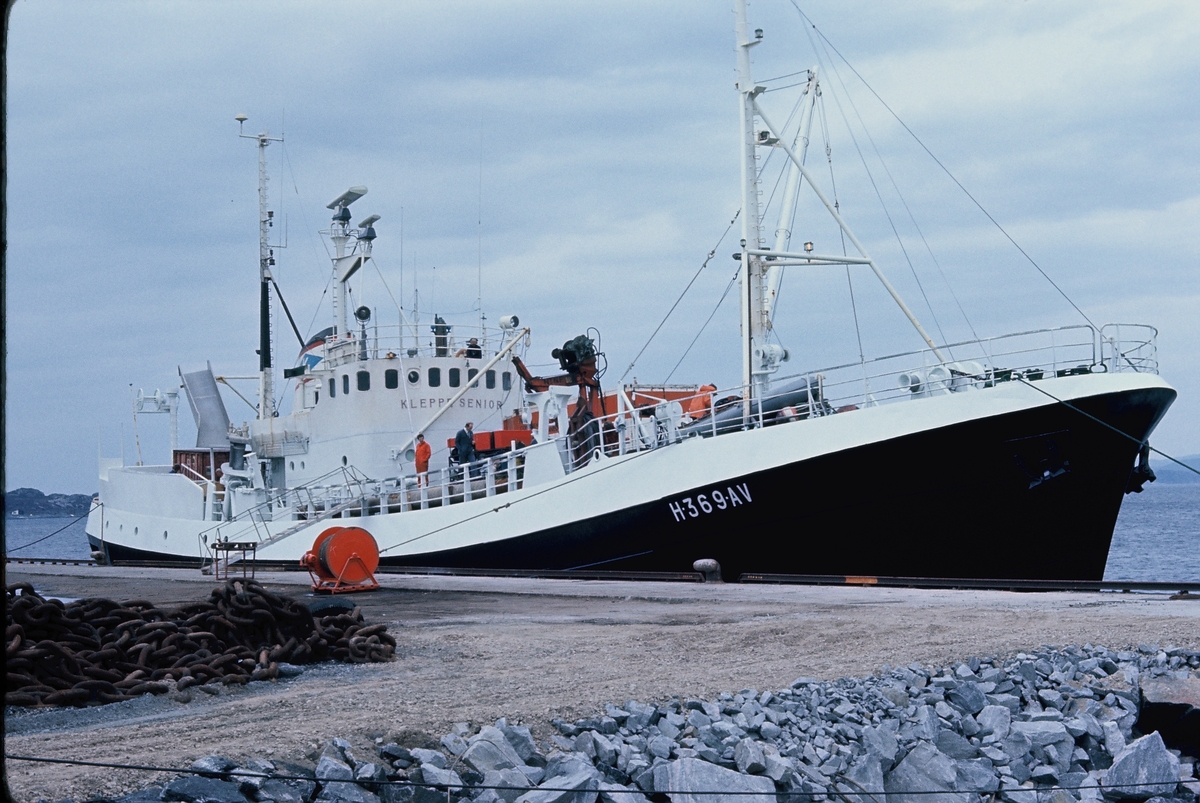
{"type": "Point", "coordinates": [490, 750]}
{"type": "Point", "coordinates": [994, 719]}
{"type": "Point", "coordinates": [330, 769]}
{"type": "Point", "coordinates": [619, 793]}
{"type": "Point", "coordinates": [867, 775]}
{"type": "Point", "coordinates": [394, 752]}
{"type": "Point", "coordinates": [967, 697]}
{"type": "Point", "coordinates": [513, 781]}
{"type": "Point", "coordinates": [976, 776]}
{"type": "Point", "coordinates": [668, 728]}
{"type": "Point", "coordinates": [562, 764]}
{"type": "Point", "coordinates": [290, 670]}
{"type": "Point", "coordinates": [777, 767]}
{"type": "Point", "coordinates": [440, 777]}
{"type": "Point", "coordinates": [698, 719]}
{"type": "Point", "coordinates": [198, 789]}
{"type": "Point", "coordinates": [522, 742]}
{"type": "Point", "coordinates": [1142, 769]}
{"type": "Point", "coordinates": [881, 743]}
{"type": "Point", "coordinates": [927, 725]}
{"type": "Point", "coordinates": [749, 757]}
{"type": "Point", "coordinates": [434, 757]}
{"type": "Point", "coordinates": [213, 766]}
{"type": "Point", "coordinates": [1058, 796]}
{"type": "Point", "coordinates": [582, 787]}
{"type": "Point", "coordinates": [369, 772]}
{"type": "Point", "coordinates": [924, 769]}
{"type": "Point", "coordinates": [346, 793]}
{"type": "Point", "coordinates": [152, 794]}
{"type": "Point", "coordinates": [770, 731]}
{"type": "Point", "coordinates": [454, 744]}
{"type": "Point", "coordinates": [1014, 791]}
{"type": "Point", "coordinates": [1041, 733]}
{"type": "Point", "coordinates": [661, 746]}
{"type": "Point", "coordinates": [687, 779]}
{"type": "Point", "coordinates": [596, 747]}
{"type": "Point", "coordinates": [281, 792]}
{"type": "Point", "coordinates": [534, 774]}
{"type": "Point", "coordinates": [955, 746]}
{"type": "Point", "coordinates": [1114, 740]}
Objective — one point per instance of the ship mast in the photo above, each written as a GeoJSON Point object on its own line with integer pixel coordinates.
{"type": "Point", "coordinates": [266, 378]}
{"type": "Point", "coordinates": [759, 358]}
{"type": "Point", "coordinates": [752, 309]}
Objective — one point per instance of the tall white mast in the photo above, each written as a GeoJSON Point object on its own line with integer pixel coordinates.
{"type": "Point", "coordinates": [753, 318]}
{"type": "Point", "coordinates": [266, 377]}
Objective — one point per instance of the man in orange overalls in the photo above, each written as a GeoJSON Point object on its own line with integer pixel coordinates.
{"type": "Point", "coordinates": [423, 454]}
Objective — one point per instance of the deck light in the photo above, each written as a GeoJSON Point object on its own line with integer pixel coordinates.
{"type": "Point", "coordinates": [808, 247]}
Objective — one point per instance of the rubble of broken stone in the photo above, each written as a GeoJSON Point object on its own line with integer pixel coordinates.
{"type": "Point", "coordinates": [1052, 726]}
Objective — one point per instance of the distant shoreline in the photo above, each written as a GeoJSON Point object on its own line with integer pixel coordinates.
{"type": "Point", "coordinates": [30, 503]}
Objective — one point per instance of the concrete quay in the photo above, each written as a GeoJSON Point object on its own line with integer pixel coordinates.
{"type": "Point", "coordinates": [472, 649]}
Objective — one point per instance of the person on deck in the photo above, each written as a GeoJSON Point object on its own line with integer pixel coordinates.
{"type": "Point", "coordinates": [472, 351]}
{"type": "Point", "coordinates": [423, 453]}
{"type": "Point", "coordinates": [464, 444]}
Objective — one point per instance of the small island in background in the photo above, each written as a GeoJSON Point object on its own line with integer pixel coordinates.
{"type": "Point", "coordinates": [31, 503]}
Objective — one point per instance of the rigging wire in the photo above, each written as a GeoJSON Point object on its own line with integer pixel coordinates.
{"type": "Point", "coordinates": [903, 202]}
{"type": "Point", "coordinates": [837, 204]}
{"type": "Point", "coordinates": [708, 320]}
{"type": "Point", "coordinates": [946, 170]}
{"type": "Point", "coordinates": [703, 265]}
{"type": "Point", "coordinates": [886, 213]}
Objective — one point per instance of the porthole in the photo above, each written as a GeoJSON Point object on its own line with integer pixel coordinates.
{"type": "Point", "coordinates": [391, 379]}
{"type": "Point", "coordinates": [120, 528]}
{"type": "Point", "coordinates": [346, 384]}
{"type": "Point", "coordinates": [332, 388]}
{"type": "Point", "coordinates": [292, 465]}
{"type": "Point", "coordinates": [301, 465]}
{"type": "Point", "coordinates": [164, 535]}
{"type": "Point", "coordinates": [364, 380]}
{"type": "Point", "coordinates": [490, 380]}
{"type": "Point", "coordinates": [107, 523]}
{"type": "Point", "coordinates": [471, 374]}
{"type": "Point", "coordinates": [435, 377]}
{"type": "Point", "coordinates": [135, 530]}
{"type": "Point", "coordinates": [455, 377]}
{"type": "Point", "coordinates": [414, 377]}
{"type": "Point", "coordinates": [343, 460]}
{"type": "Point", "coordinates": [506, 381]}
{"type": "Point", "coordinates": [316, 397]}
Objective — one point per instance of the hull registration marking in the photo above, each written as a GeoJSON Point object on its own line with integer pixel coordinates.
{"type": "Point", "coordinates": [710, 501]}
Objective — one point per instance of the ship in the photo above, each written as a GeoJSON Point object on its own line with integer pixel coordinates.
{"type": "Point", "coordinates": [1004, 457]}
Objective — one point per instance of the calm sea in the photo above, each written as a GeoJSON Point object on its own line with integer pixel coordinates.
{"type": "Point", "coordinates": [1157, 536]}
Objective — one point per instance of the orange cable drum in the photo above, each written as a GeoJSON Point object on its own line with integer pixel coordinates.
{"type": "Point", "coordinates": [348, 554]}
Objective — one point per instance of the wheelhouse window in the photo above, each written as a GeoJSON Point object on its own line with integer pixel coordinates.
{"type": "Point", "coordinates": [506, 380]}
{"type": "Point", "coordinates": [489, 379]}
{"type": "Point", "coordinates": [332, 388]}
{"type": "Point", "coordinates": [435, 377]}
{"type": "Point", "coordinates": [471, 374]}
{"type": "Point", "coordinates": [364, 380]}
{"type": "Point", "coordinates": [346, 384]}
{"type": "Point", "coordinates": [455, 376]}
{"type": "Point", "coordinates": [391, 379]}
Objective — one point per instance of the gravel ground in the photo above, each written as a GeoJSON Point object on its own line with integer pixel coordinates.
{"type": "Point", "coordinates": [475, 649]}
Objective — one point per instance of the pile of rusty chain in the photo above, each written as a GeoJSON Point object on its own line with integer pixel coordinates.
{"type": "Point", "coordinates": [101, 651]}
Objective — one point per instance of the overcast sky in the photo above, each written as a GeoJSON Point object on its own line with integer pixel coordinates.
{"type": "Point", "coordinates": [585, 154]}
